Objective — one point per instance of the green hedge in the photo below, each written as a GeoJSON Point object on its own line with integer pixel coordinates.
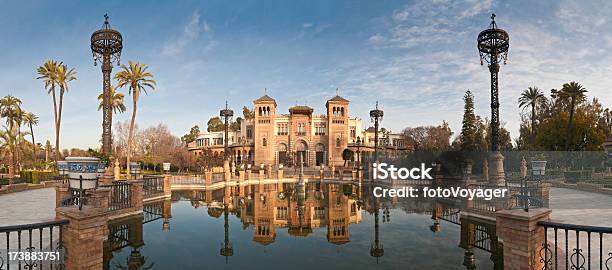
{"type": "Point", "coordinates": [35, 177]}
{"type": "Point", "coordinates": [577, 176]}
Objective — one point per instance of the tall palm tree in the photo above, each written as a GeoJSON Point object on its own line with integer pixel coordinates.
{"type": "Point", "coordinates": [64, 76]}
{"type": "Point", "coordinates": [533, 97]}
{"type": "Point", "coordinates": [116, 102]}
{"type": "Point", "coordinates": [138, 79]}
{"type": "Point", "coordinates": [48, 73]}
{"type": "Point", "coordinates": [31, 120]}
{"type": "Point", "coordinates": [574, 93]}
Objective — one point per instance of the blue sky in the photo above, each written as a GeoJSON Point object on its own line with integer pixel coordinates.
{"type": "Point", "coordinates": [416, 57]}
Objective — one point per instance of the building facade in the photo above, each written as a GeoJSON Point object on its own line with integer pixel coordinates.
{"type": "Point", "coordinates": [273, 138]}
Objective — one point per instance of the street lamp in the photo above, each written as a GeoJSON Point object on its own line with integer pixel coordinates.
{"type": "Point", "coordinates": [358, 144]}
{"type": "Point", "coordinates": [243, 142]}
{"type": "Point", "coordinates": [106, 46]}
{"type": "Point", "coordinates": [493, 46]}
{"type": "Point", "coordinates": [376, 116]}
{"type": "Point", "coordinates": [227, 115]}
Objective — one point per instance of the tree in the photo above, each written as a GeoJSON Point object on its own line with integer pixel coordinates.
{"type": "Point", "coordinates": [468, 128]}
{"type": "Point", "coordinates": [429, 138]}
{"type": "Point", "coordinates": [235, 125]}
{"type": "Point", "coordinates": [192, 135]}
{"type": "Point", "coordinates": [31, 120]}
{"type": "Point", "coordinates": [56, 74]}
{"type": "Point", "coordinates": [10, 108]}
{"type": "Point", "coordinates": [48, 73]}
{"type": "Point", "coordinates": [574, 92]}
{"type": "Point", "coordinates": [138, 79]}
{"type": "Point", "coordinates": [532, 97]}
{"type": "Point", "coordinates": [247, 114]}
{"type": "Point", "coordinates": [116, 101]}
{"type": "Point", "coordinates": [215, 124]}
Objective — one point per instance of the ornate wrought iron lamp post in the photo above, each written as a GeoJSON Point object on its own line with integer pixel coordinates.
{"type": "Point", "coordinates": [376, 116]}
{"type": "Point", "coordinates": [493, 46]}
{"type": "Point", "coordinates": [376, 250]}
{"type": "Point", "coordinates": [358, 144]}
{"type": "Point", "coordinates": [226, 247]}
{"type": "Point", "coordinates": [106, 46]}
{"type": "Point", "coordinates": [227, 115]}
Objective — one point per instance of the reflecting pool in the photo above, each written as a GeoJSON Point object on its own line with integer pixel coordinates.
{"type": "Point", "coordinates": [298, 226]}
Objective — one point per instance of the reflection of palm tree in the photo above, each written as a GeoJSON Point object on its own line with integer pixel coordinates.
{"type": "Point", "coordinates": [138, 79]}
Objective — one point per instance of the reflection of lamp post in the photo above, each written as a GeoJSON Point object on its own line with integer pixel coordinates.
{"type": "Point", "coordinates": [376, 250]}
{"type": "Point", "coordinates": [226, 247]}
{"type": "Point", "coordinates": [106, 44]}
{"type": "Point", "coordinates": [376, 116]}
{"type": "Point", "coordinates": [493, 47]}
{"type": "Point", "coordinates": [227, 115]}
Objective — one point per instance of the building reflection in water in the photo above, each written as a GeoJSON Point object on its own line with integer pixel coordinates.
{"type": "Point", "coordinates": [300, 208]}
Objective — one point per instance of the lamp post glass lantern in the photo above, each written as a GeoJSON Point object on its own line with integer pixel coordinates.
{"type": "Point", "coordinates": [226, 114]}
{"type": "Point", "coordinates": [106, 46]}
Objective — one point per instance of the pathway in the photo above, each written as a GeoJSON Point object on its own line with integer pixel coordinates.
{"type": "Point", "coordinates": [26, 207]}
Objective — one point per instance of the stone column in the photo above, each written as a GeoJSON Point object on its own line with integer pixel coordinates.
{"type": "Point", "coordinates": [279, 174]}
{"type": "Point", "coordinates": [84, 236]}
{"type": "Point", "coordinates": [353, 175]}
{"type": "Point", "coordinates": [137, 194]}
{"type": "Point", "coordinates": [261, 175]}
{"type": "Point", "coordinates": [100, 197]}
{"type": "Point", "coordinates": [167, 185]}
{"type": "Point", "coordinates": [522, 237]}
{"type": "Point", "coordinates": [544, 194]}
{"type": "Point", "coordinates": [248, 174]}
{"type": "Point", "coordinates": [62, 191]}
{"type": "Point", "coordinates": [523, 168]}
{"type": "Point", "coordinates": [241, 176]}
{"type": "Point", "coordinates": [269, 171]}
{"type": "Point", "coordinates": [226, 171]}
{"type": "Point", "coordinates": [485, 170]}
{"type": "Point", "coordinates": [208, 178]}
{"type": "Point", "coordinates": [108, 177]}
{"type": "Point", "coordinates": [498, 177]}
{"type": "Point", "coordinates": [321, 173]}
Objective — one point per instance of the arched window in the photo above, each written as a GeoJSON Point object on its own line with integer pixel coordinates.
{"type": "Point", "coordinates": [338, 142]}
{"type": "Point", "coordinates": [260, 113]}
{"type": "Point", "coordinates": [342, 111]}
{"type": "Point", "coordinates": [264, 142]}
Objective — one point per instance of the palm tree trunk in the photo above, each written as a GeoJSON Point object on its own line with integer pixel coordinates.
{"type": "Point", "coordinates": [131, 134]}
{"type": "Point", "coordinates": [33, 146]}
{"type": "Point", "coordinates": [55, 121]}
{"type": "Point", "coordinates": [57, 125]}
{"type": "Point", "coordinates": [533, 124]}
{"type": "Point", "coordinates": [569, 126]}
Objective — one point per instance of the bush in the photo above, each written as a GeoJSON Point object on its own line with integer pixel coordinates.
{"type": "Point", "coordinates": [577, 176]}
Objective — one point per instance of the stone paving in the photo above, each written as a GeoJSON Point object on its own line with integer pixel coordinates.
{"type": "Point", "coordinates": [581, 207]}
{"type": "Point", "coordinates": [27, 207]}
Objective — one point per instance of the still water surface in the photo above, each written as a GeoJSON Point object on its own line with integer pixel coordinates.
{"type": "Point", "coordinates": [316, 226]}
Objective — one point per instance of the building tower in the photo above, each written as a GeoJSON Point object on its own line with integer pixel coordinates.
{"type": "Point", "coordinates": [338, 130]}
{"type": "Point", "coordinates": [264, 140]}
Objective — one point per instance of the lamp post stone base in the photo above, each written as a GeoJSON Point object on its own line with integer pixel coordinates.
{"type": "Point", "coordinates": [497, 176]}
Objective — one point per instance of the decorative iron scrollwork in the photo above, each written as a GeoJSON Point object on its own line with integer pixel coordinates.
{"type": "Point", "coordinates": [577, 259]}
{"type": "Point", "coordinates": [546, 256]}
{"type": "Point", "coordinates": [609, 260]}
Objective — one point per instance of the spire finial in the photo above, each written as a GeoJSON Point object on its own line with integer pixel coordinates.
{"type": "Point", "coordinates": [226, 103]}
{"type": "Point", "coordinates": [377, 104]}
{"type": "Point", "coordinates": [265, 91]}
{"type": "Point", "coordinates": [337, 91]}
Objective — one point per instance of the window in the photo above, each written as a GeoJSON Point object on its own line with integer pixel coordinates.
{"type": "Point", "coordinates": [281, 212]}
{"type": "Point", "coordinates": [264, 142]}
{"type": "Point", "coordinates": [249, 133]}
{"type": "Point", "coordinates": [338, 142]}
{"type": "Point", "coordinates": [320, 129]}
{"type": "Point", "coordinates": [319, 213]}
{"type": "Point", "coordinates": [282, 129]}
{"type": "Point", "coordinates": [353, 133]}
{"type": "Point", "coordinates": [301, 129]}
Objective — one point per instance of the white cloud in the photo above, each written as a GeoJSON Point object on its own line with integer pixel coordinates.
{"type": "Point", "coordinates": [191, 32]}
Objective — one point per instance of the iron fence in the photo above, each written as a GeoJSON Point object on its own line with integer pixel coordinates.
{"type": "Point", "coordinates": [37, 237]}
{"type": "Point", "coordinates": [120, 195]}
{"type": "Point", "coordinates": [152, 186]}
{"type": "Point", "coordinates": [567, 251]}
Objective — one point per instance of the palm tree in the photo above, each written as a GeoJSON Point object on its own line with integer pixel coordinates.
{"type": "Point", "coordinates": [116, 102]}
{"type": "Point", "coordinates": [533, 97]}
{"type": "Point", "coordinates": [48, 73]}
{"type": "Point", "coordinates": [574, 93]}
{"type": "Point", "coordinates": [10, 108]}
{"type": "Point", "coordinates": [31, 120]}
{"type": "Point", "coordinates": [138, 79]}
{"type": "Point", "coordinates": [64, 76]}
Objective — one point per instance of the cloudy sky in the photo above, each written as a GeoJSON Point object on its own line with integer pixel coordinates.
{"type": "Point", "coordinates": [417, 58]}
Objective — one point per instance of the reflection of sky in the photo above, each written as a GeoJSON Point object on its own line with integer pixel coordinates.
{"type": "Point", "coordinates": [411, 55]}
{"type": "Point", "coordinates": [195, 238]}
